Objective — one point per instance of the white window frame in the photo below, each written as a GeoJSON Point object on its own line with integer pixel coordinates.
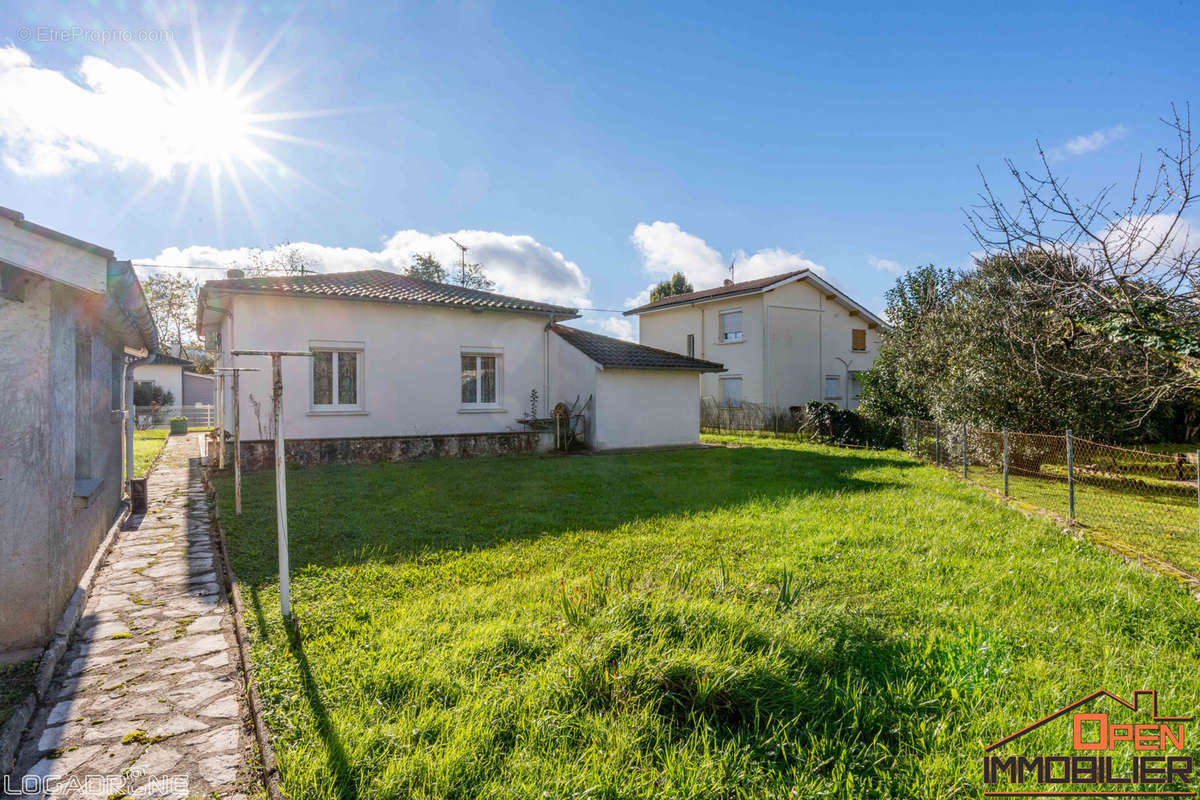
{"type": "Point", "coordinates": [721, 390]}
{"type": "Point", "coordinates": [481, 352]}
{"type": "Point", "coordinates": [689, 344]}
{"type": "Point", "coordinates": [836, 379]}
{"type": "Point", "coordinates": [337, 347]}
{"type": "Point", "coordinates": [741, 334]}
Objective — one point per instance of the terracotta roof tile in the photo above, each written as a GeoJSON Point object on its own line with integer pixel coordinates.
{"type": "Point", "coordinates": [706, 294]}
{"type": "Point", "coordinates": [381, 286]}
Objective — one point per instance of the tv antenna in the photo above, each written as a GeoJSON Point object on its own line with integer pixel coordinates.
{"type": "Point", "coordinates": [462, 262]}
{"type": "Point", "coordinates": [732, 261]}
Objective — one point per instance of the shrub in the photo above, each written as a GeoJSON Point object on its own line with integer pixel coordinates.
{"type": "Point", "coordinates": [152, 395]}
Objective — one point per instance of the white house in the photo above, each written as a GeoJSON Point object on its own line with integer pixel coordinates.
{"type": "Point", "coordinates": [785, 339]}
{"type": "Point", "coordinates": [71, 320]}
{"type": "Point", "coordinates": [401, 366]}
{"type": "Point", "coordinates": [177, 376]}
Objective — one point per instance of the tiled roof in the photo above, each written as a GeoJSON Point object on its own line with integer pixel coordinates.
{"type": "Point", "coordinates": [708, 294]}
{"type": "Point", "coordinates": [619, 354]}
{"type": "Point", "coordinates": [380, 286]}
{"type": "Point", "coordinates": [168, 360]}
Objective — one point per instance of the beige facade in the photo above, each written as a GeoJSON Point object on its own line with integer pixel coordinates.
{"type": "Point", "coordinates": [797, 342]}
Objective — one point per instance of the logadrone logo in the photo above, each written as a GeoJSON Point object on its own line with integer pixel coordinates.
{"type": "Point", "coordinates": [1157, 758]}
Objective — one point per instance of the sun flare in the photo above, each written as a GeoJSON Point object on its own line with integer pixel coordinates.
{"type": "Point", "coordinates": [212, 126]}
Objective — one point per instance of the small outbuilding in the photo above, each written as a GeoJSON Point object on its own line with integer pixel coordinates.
{"type": "Point", "coordinates": [640, 396]}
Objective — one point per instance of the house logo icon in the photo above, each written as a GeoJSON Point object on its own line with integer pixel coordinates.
{"type": "Point", "coordinates": [1120, 749]}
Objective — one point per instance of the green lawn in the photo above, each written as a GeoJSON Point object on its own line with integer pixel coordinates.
{"type": "Point", "coordinates": [774, 620]}
{"type": "Point", "coordinates": [146, 445]}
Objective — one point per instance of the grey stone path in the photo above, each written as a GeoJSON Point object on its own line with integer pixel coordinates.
{"type": "Point", "coordinates": [148, 699]}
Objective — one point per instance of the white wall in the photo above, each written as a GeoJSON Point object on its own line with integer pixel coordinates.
{"type": "Point", "coordinates": [168, 376]}
{"type": "Point", "coordinates": [573, 377]}
{"type": "Point", "coordinates": [410, 365]}
{"type": "Point", "coordinates": [643, 408]}
{"type": "Point", "coordinates": [668, 330]}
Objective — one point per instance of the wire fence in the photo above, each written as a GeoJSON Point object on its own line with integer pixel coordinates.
{"type": "Point", "coordinates": [1149, 501]}
{"type": "Point", "coordinates": [149, 417]}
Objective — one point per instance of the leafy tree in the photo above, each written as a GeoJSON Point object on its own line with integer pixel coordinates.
{"type": "Point", "coordinates": [427, 268]}
{"type": "Point", "coordinates": [979, 347]}
{"type": "Point", "coordinates": [678, 284]}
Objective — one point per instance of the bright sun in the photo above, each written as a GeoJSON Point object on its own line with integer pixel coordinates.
{"type": "Point", "coordinates": [212, 125]}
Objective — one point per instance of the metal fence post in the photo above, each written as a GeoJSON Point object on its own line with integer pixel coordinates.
{"type": "Point", "coordinates": [285, 594]}
{"type": "Point", "coordinates": [964, 432]}
{"type": "Point", "coordinates": [220, 420]}
{"type": "Point", "coordinates": [1198, 492]}
{"type": "Point", "coordinates": [1070, 478]}
{"type": "Point", "coordinates": [1004, 437]}
{"type": "Point", "coordinates": [237, 448]}
{"type": "Point", "coordinates": [937, 444]}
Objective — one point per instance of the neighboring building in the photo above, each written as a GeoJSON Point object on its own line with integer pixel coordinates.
{"type": "Point", "coordinates": [177, 376]}
{"type": "Point", "coordinates": [784, 340]}
{"type": "Point", "coordinates": [396, 356]}
{"type": "Point", "coordinates": [71, 318]}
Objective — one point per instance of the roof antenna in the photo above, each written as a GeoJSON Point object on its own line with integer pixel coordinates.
{"type": "Point", "coordinates": [462, 262]}
{"type": "Point", "coordinates": [732, 261]}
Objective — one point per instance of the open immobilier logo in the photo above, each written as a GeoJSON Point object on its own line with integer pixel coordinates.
{"type": "Point", "coordinates": [1131, 752]}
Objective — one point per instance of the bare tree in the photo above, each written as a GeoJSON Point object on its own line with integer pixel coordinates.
{"type": "Point", "coordinates": [1108, 273]}
{"type": "Point", "coordinates": [172, 300]}
{"type": "Point", "coordinates": [282, 259]}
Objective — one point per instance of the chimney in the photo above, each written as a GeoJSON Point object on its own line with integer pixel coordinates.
{"type": "Point", "coordinates": [728, 282]}
{"type": "Point", "coordinates": [235, 273]}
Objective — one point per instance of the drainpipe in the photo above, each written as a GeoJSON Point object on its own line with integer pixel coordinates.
{"type": "Point", "coordinates": [128, 408]}
{"type": "Point", "coordinates": [546, 359]}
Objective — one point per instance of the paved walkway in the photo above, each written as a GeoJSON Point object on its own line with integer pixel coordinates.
{"type": "Point", "coordinates": [148, 699]}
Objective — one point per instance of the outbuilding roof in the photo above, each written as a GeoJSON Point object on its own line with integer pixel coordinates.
{"type": "Point", "coordinates": [620, 354]}
{"type": "Point", "coordinates": [381, 286]}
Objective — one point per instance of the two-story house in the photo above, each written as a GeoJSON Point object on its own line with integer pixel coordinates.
{"type": "Point", "coordinates": [784, 340]}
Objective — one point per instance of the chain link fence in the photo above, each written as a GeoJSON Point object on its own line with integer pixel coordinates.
{"type": "Point", "coordinates": [1148, 501]}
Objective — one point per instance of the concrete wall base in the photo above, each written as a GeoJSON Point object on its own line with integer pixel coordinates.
{"type": "Point", "coordinates": [258, 455]}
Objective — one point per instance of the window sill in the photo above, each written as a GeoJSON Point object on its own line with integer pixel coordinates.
{"type": "Point", "coordinates": [85, 490]}
{"type": "Point", "coordinates": [484, 410]}
{"type": "Point", "coordinates": [732, 341]}
{"type": "Point", "coordinates": [336, 412]}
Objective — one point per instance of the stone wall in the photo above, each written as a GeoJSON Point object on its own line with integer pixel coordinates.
{"type": "Point", "coordinates": [373, 450]}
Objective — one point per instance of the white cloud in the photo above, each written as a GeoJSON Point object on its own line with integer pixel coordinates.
{"type": "Point", "coordinates": [666, 248]}
{"type": "Point", "coordinates": [885, 265]}
{"type": "Point", "coordinates": [519, 265]}
{"type": "Point", "coordinates": [620, 327]}
{"type": "Point", "coordinates": [52, 122]}
{"type": "Point", "coordinates": [1087, 143]}
{"type": "Point", "coordinates": [49, 124]}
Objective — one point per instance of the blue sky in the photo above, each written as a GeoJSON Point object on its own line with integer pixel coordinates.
{"type": "Point", "coordinates": [583, 150]}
